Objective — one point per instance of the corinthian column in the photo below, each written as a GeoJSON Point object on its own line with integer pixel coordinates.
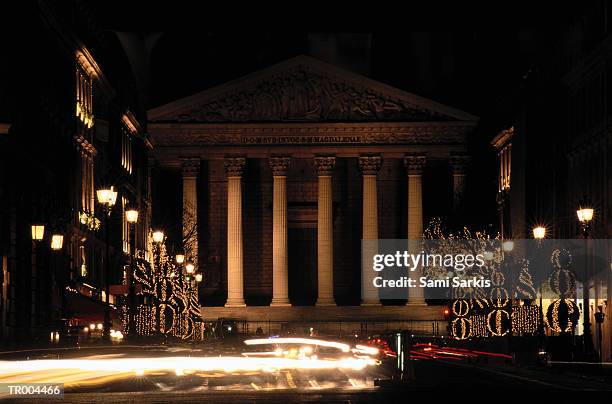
{"type": "Point", "coordinates": [325, 232]}
{"type": "Point", "coordinates": [369, 166]}
{"type": "Point", "coordinates": [235, 290]}
{"type": "Point", "coordinates": [280, 275]}
{"type": "Point", "coordinates": [458, 165]}
{"type": "Point", "coordinates": [414, 164]}
{"type": "Point", "coordinates": [190, 170]}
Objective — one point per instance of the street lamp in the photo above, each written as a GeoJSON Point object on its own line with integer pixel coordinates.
{"type": "Point", "coordinates": [38, 232]}
{"type": "Point", "coordinates": [190, 268]}
{"type": "Point", "coordinates": [180, 258]}
{"type": "Point", "coordinates": [585, 216]}
{"type": "Point", "coordinates": [107, 197]}
{"type": "Point", "coordinates": [57, 242]}
{"type": "Point", "coordinates": [539, 232]}
{"type": "Point", "coordinates": [131, 215]}
{"type": "Point", "coordinates": [158, 236]}
{"type": "Point", "coordinates": [198, 278]}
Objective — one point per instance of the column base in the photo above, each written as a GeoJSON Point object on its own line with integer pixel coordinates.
{"type": "Point", "coordinates": [370, 304]}
{"type": "Point", "coordinates": [325, 303]}
{"type": "Point", "coordinates": [280, 304]}
{"type": "Point", "coordinates": [235, 304]}
{"type": "Point", "coordinates": [416, 304]}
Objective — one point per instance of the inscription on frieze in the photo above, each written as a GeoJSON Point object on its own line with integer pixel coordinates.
{"type": "Point", "coordinates": [297, 139]}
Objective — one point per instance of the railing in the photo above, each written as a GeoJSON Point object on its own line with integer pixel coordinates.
{"type": "Point", "coordinates": [337, 328]}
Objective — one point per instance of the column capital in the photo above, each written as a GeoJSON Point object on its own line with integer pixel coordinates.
{"type": "Point", "coordinates": [190, 167]}
{"type": "Point", "coordinates": [415, 163]}
{"type": "Point", "coordinates": [325, 165]}
{"type": "Point", "coordinates": [234, 166]}
{"type": "Point", "coordinates": [459, 163]}
{"type": "Point", "coordinates": [279, 165]}
{"type": "Point", "coordinates": [369, 165]}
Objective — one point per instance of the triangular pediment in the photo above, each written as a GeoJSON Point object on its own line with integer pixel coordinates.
{"type": "Point", "coordinates": [304, 89]}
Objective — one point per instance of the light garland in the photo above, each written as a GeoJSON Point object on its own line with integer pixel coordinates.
{"type": "Point", "coordinates": [498, 320]}
{"type": "Point", "coordinates": [479, 325]}
{"type": "Point", "coordinates": [463, 326]}
{"type": "Point", "coordinates": [525, 289]}
{"type": "Point", "coordinates": [525, 319]}
{"type": "Point", "coordinates": [175, 306]}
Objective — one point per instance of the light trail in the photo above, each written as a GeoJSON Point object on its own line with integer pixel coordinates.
{"type": "Point", "coordinates": [302, 341]}
{"type": "Point", "coordinates": [105, 369]}
{"type": "Point", "coordinates": [180, 365]}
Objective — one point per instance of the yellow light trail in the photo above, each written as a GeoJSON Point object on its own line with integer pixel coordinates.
{"type": "Point", "coordinates": [303, 341]}
{"type": "Point", "coordinates": [180, 365]}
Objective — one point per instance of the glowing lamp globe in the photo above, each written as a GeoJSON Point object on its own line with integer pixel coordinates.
{"type": "Point", "coordinates": [585, 215]}
{"type": "Point", "coordinates": [158, 236]}
{"type": "Point", "coordinates": [131, 215]}
{"type": "Point", "coordinates": [539, 232]}
{"type": "Point", "coordinates": [107, 196]}
{"type": "Point", "coordinates": [38, 232]}
{"type": "Point", "coordinates": [57, 242]}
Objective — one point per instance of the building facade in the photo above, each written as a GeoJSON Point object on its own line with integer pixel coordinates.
{"type": "Point", "coordinates": [554, 147]}
{"type": "Point", "coordinates": [282, 173]}
{"type": "Point", "coordinates": [72, 124]}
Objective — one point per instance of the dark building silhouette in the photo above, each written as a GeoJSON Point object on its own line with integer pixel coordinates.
{"type": "Point", "coordinates": [72, 123]}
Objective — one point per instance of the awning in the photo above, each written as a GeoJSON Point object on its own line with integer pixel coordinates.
{"type": "Point", "coordinates": [87, 310]}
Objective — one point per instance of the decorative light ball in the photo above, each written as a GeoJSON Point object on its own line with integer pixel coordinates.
{"type": "Point", "coordinates": [499, 322]}
{"type": "Point", "coordinates": [459, 293]}
{"type": "Point", "coordinates": [499, 297]}
{"type": "Point", "coordinates": [461, 308]}
{"type": "Point", "coordinates": [561, 258]}
{"type": "Point", "coordinates": [562, 282]}
{"type": "Point", "coordinates": [461, 328]}
{"type": "Point", "coordinates": [562, 315]}
{"type": "Point", "coordinates": [497, 278]}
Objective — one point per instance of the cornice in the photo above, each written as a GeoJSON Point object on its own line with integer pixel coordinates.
{"type": "Point", "coordinates": [311, 134]}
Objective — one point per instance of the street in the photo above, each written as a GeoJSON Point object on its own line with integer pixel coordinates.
{"type": "Point", "coordinates": [106, 374]}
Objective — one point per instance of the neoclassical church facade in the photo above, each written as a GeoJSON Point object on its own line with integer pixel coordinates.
{"type": "Point", "coordinates": [286, 170]}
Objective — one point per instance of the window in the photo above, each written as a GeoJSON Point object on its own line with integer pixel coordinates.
{"type": "Point", "coordinates": [126, 225]}
{"type": "Point", "coordinates": [126, 150]}
{"type": "Point", "coordinates": [84, 98]}
{"type": "Point", "coordinates": [505, 159]}
{"type": "Point", "coordinates": [87, 183]}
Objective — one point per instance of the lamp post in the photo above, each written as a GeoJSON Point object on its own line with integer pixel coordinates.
{"type": "Point", "coordinates": [158, 239]}
{"type": "Point", "coordinates": [38, 234]}
{"type": "Point", "coordinates": [539, 233]}
{"type": "Point", "coordinates": [131, 215]}
{"type": "Point", "coordinates": [585, 216]}
{"type": "Point", "coordinates": [599, 319]}
{"type": "Point", "coordinates": [107, 197]}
